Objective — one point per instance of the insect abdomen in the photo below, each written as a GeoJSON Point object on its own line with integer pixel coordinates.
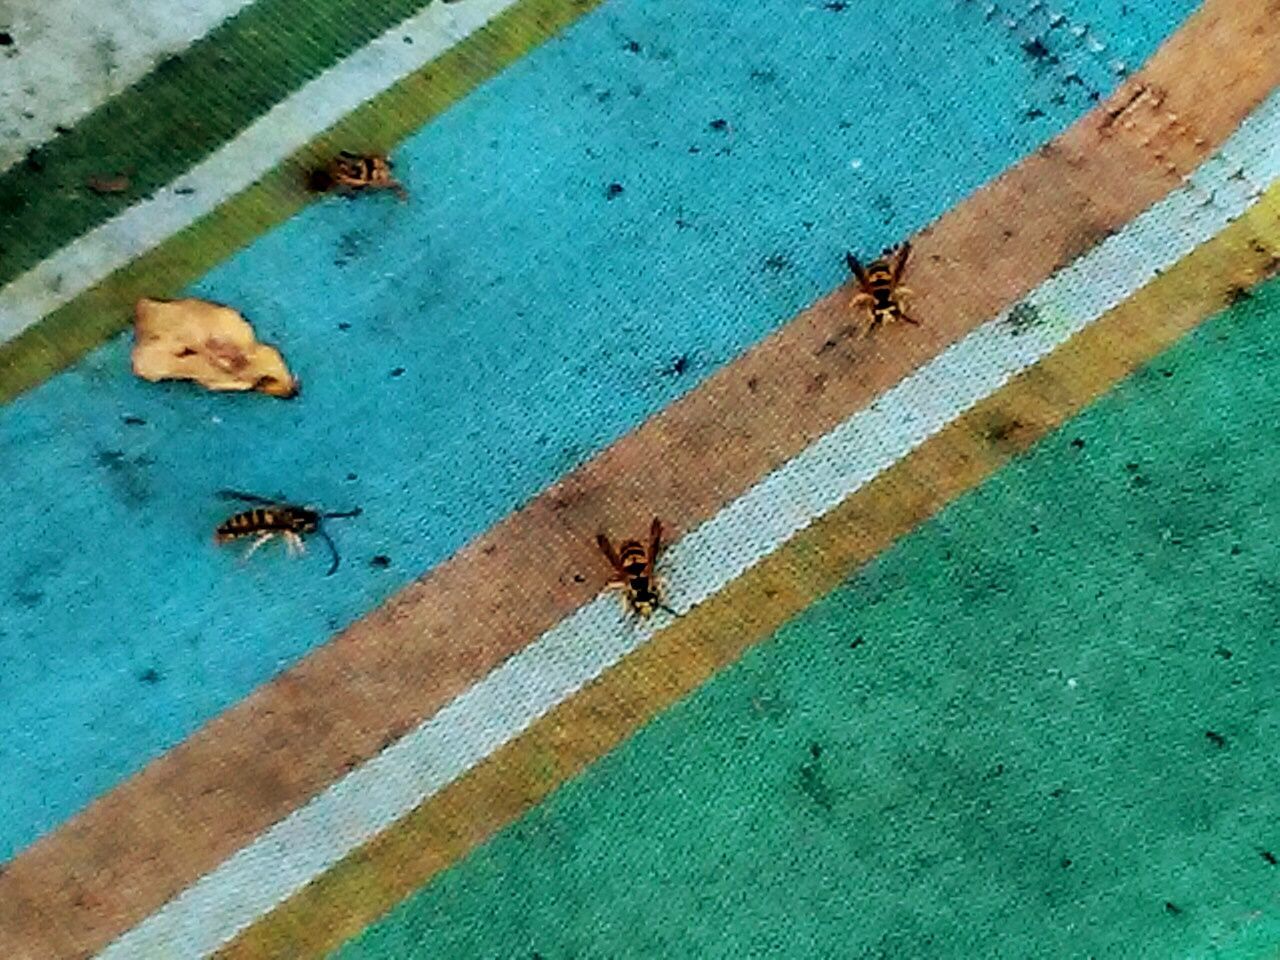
{"type": "Point", "coordinates": [257, 520]}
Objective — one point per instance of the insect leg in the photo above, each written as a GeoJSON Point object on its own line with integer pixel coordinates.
{"type": "Point", "coordinates": [262, 538]}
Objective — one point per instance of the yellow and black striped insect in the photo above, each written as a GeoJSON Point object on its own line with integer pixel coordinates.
{"type": "Point", "coordinates": [633, 565]}
{"type": "Point", "coordinates": [275, 518]}
{"type": "Point", "coordinates": [880, 289]}
{"type": "Point", "coordinates": [356, 173]}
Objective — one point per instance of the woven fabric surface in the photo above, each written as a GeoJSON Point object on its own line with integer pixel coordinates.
{"type": "Point", "coordinates": [974, 655]}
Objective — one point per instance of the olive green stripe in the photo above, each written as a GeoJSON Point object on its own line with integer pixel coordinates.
{"type": "Point", "coordinates": [178, 114]}
{"type": "Point", "coordinates": [70, 332]}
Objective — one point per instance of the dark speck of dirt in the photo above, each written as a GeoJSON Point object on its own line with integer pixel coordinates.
{"type": "Point", "coordinates": [1022, 318]}
{"type": "Point", "coordinates": [352, 476]}
{"type": "Point", "coordinates": [1036, 50]}
{"type": "Point", "coordinates": [814, 784]}
{"type": "Point", "coordinates": [631, 46]}
{"type": "Point", "coordinates": [28, 598]}
{"type": "Point", "coordinates": [149, 675]}
{"type": "Point", "coordinates": [815, 750]}
{"type": "Point", "coordinates": [763, 76]}
{"type": "Point", "coordinates": [1270, 857]}
{"type": "Point", "coordinates": [836, 6]}
{"type": "Point", "coordinates": [134, 421]}
{"type": "Point", "coordinates": [1066, 862]}
{"type": "Point", "coordinates": [381, 561]}
{"type": "Point", "coordinates": [677, 366]}
{"type": "Point", "coordinates": [613, 191]}
{"type": "Point", "coordinates": [1034, 528]}
{"type": "Point", "coordinates": [776, 263]}
{"type": "Point", "coordinates": [1034, 113]}
{"type": "Point", "coordinates": [1078, 443]}
{"type": "Point", "coordinates": [184, 191]}
{"type": "Point", "coordinates": [6, 38]}
{"type": "Point", "coordinates": [1166, 373]}
{"type": "Point", "coordinates": [398, 372]}
{"type": "Point", "coordinates": [1217, 739]}
{"type": "Point", "coordinates": [344, 326]}
{"type": "Point", "coordinates": [1235, 549]}
{"type": "Point", "coordinates": [110, 458]}
{"type": "Point", "coordinates": [753, 384]}
{"type": "Point", "coordinates": [1058, 792]}
{"type": "Point", "coordinates": [1238, 295]}
{"type": "Point", "coordinates": [1171, 908]}
{"type": "Point", "coordinates": [1223, 653]}
{"type": "Point", "coordinates": [579, 578]}
{"type": "Point", "coordinates": [856, 642]}
{"type": "Point", "coordinates": [719, 124]}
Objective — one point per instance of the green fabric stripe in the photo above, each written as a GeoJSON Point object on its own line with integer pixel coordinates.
{"type": "Point", "coordinates": [178, 114]}
{"type": "Point", "coordinates": [105, 310]}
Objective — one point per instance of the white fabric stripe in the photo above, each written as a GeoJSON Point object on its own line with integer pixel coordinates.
{"type": "Point", "coordinates": [70, 57]}
{"type": "Point", "coordinates": [287, 127]}
{"type": "Point", "coordinates": [581, 647]}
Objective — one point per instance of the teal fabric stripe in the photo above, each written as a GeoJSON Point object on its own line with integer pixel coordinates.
{"type": "Point", "coordinates": [1044, 725]}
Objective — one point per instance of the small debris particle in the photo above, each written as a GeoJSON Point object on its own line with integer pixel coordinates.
{"type": "Point", "coordinates": [579, 578]}
{"type": "Point", "coordinates": [106, 185]}
{"type": "Point", "coordinates": [677, 366]}
{"type": "Point", "coordinates": [1058, 792]}
{"type": "Point", "coordinates": [6, 38]}
{"type": "Point", "coordinates": [134, 421]}
{"type": "Point", "coordinates": [1237, 295]}
{"type": "Point", "coordinates": [1036, 50]}
{"type": "Point", "coordinates": [1078, 443]}
{"type": "Point", "coordinates": [344, 326]}
{"type": "Point", "coordinates": [1217, 739]}
{"type": "Point", "coordinates": [352, 476]}
{"type": "Point", "coordinates": [1034, 528]}
{"type": "Point", "coordinates": [184, 191]}
{"type": "Point", "coordinates": [1235, 549]}
{"type": "Point", "coordinates": [1166, 373]}
{"type": "Point", "coordinates": [753, 384]}
{"type": "Point", "coordinates": [381, 561]}
{"type": "Point", "coordinates": [719, 124]}
{"type": "Point", "coordinates": [398, 372]}
{"type": "Point", "coordinates": [836, 6]}
{"type": "Point", "coordinates": [776, 262]}
{"type": "Point", "coordinates": [1171, 908]}
{"type": "Point", "coordinates": [612, 191]}
{"type": "Point", "coordinates": [149, 675]}
{"type": "Point", "coordinates": [632, 47]}
{"type": "Point", "coordinates": [1066, 862]}
{"type": "Point", "coordinates": [856, 643]}
{"type": "Point", "coordinates": [1034, 113]}
{"type": "Point", "coordinates": [815, 750]}
{"type": "Point", "coordinates": [1270, 857]}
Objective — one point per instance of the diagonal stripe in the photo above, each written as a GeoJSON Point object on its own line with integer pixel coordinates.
{"type": "Point", "coordinates": [71, 59]}
{"type": "Point", "coordinates": [563, 741]}
{"type": "Point", "coordinates": [582, 647]}
{"type": "Point", "coordinates": [283, 130]}
{"type": "Point", "coordinates": [136, 845]}
{"type": "Point", "coordinates": [198, 239]}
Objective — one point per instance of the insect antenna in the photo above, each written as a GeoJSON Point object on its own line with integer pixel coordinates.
{"type": "Point", "coordinates": [344, 513]}
{"type": "Point", "coordinates": [333, 550]}
{"type": "Point", "coordinates": [663, 606]}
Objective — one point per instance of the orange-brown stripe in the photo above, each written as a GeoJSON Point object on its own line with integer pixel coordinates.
{"type": "Point", "coordinates": [106, 869]}
{"type": "Point", "coordinates": [575, 734]}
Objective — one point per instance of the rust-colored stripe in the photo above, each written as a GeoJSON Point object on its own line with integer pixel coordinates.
{"type": "Point", "coordinates": [562, 744]}
{"type": "Point", "coordinates": [105, 870]}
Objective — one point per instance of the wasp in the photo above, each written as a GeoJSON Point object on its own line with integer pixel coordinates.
{"type": "Point", "coordinates": [275, 518]}
{"type": "Point", "coordinates": [879, 289]}
{"type": "Point", "coordinates": [356, 173]}
{"type": "Point", "coordinates": [633, 563]}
